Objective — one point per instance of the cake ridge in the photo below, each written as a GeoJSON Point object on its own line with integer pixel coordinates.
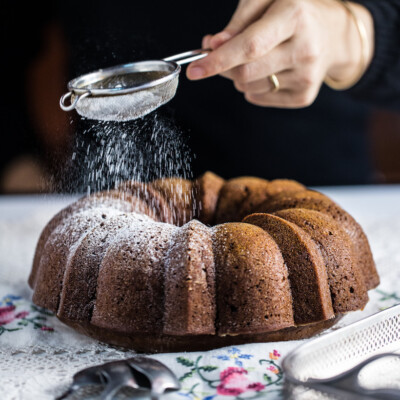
{"type": "Point", "coordinates": [80, 205]}
{"type": "Point", "coordinates": [52, 278]}
{"type": "Point", "coordinates": [189, 293]}
{"type": "Point", "coordinates": [313, 200]}
{"type": "Point", "coordinates": [79, 278]}
{"type": "Point", "coordinates": [309, 284]}
{"type": "Point", "coordinates": [262, 285]}
{"type": "Point", "coordinates": [178, 194]}
{"type": "Point", "coordinates": [135, 278]}
{"type": "Point", "coordinates": [336, 249]}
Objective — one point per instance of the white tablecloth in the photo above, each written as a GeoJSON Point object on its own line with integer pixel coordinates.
{"type": "Point", "coordinates": [38, 354]}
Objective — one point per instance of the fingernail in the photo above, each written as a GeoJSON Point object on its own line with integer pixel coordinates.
{"type": "Point", "coordinates": [196, 73]}
{"type": "Point", "coordinates": [206, 41]}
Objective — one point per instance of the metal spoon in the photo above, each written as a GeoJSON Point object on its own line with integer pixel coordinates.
{"type": "Point", "coordinates": [143, 374]}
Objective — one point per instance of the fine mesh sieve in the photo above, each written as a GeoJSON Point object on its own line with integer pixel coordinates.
{"type": "Point", "coordinates": [127, 91]}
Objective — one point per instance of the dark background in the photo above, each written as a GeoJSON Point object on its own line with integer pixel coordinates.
{"type": "Point", "coordinates": [45, 45]}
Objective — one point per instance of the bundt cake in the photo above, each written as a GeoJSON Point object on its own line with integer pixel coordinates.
{"type": "Point", "coordinates": [178, 265]}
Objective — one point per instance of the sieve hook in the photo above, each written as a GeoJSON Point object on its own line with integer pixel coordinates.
{"type": "Point", "coordinates": [188, 56]}
{"type": "Point", "coordinates": [74, 103]}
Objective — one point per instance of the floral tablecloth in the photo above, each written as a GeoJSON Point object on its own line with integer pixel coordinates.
{"type": "Point", "coordinates": [39, 355]}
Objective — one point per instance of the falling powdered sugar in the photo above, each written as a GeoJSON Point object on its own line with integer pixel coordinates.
{"type": "Point", "coordinates": [109, 154]}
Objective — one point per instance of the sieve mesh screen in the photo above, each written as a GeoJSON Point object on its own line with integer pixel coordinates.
{"type": "Point", "coordinates": [127, 106]}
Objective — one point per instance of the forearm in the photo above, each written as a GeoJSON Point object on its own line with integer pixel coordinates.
{"type": "Point", "coordinates": [380, 84]}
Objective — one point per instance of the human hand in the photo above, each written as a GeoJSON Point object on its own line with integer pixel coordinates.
{"type": "Point", "coordinates": [299, 41]}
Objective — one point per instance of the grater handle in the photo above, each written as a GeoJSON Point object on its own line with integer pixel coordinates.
{"type": "Point", "coordinates": [349, 381]}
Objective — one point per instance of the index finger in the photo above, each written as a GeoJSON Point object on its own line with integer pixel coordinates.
{"type": "Point", "coordinates": [273, 28]}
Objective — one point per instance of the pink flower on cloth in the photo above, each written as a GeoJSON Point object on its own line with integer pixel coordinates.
{"type": "Point", "coordinates": [273, 369]}
{"type": "Point", "coordinates": [22, 314]}
{"type": "Point", "coordinates": [7, 314]}
{"type": "Point", "coordinates": [274, 355]}
{"type": "Point", "coordinates": [234, 381]}
{"type": "Point", "coordinates": [47, 328]}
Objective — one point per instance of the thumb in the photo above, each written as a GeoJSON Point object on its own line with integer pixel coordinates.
{"type": "Point", "coordinates": [246, 13]}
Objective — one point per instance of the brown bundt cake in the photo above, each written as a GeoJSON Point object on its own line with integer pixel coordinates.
{"type": "Point", "coordinates": [132, 267]}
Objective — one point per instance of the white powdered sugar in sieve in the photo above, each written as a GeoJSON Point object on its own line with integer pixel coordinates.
{"type": "Point", "coordinates": [128, 106]}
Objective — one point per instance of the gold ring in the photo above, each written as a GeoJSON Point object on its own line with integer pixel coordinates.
{"type": "Point", "coordinates": [274, 80]}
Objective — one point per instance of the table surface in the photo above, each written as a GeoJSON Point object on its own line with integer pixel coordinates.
{"type": "Point", "coordinates": [376, 208]}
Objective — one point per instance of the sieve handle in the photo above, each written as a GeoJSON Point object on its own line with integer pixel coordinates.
{"type": "Point", "coordinates": [74, 103]}
{"type": "Point", "coordinates": [188, 56]}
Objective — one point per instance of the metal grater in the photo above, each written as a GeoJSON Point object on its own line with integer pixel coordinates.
{"type": "Point", "coordinates": [327, 357]}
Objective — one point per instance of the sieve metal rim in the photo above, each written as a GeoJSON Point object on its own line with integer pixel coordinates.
{"type": "Point", "coordinates": [77, 85]}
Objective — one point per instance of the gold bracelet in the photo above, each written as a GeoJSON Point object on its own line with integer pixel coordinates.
{"type": "Point", "coordinates": [343, 85]}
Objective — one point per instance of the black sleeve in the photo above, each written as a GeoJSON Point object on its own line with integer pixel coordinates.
{"type": "Point", "coordinates": [380, 85]}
